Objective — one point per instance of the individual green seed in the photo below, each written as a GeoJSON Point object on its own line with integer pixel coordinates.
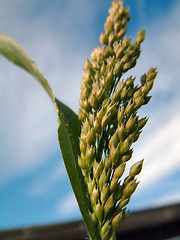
{"type": "Point", "coordinates": [104, 193]}
{"type": "Point", "coordinates": [126, 42]}
{"type": "Point", "coordinates": [88, 64]}
{"type": "Point", "coordinates": [130, 124]}
{"type": "Point", "coordinates": [99, 61]}
{"type": "Point", "coordinates": [82, 145]}
{"type": "Point", "coordinates": [139, 101]}
{"type": "Point", "coordinates": [86, 127]}
{"type": "Point", "coordinates": [93, 101]}
{"type": "Point", "coordinates": [87, 77]}
{"type": "Point", "coordinates": [152, 69]}
{"type": "Point", "coordinates": [105, 120]}
{"type": "Point", "coordinates": [93, 219]}
{"type": "Point", "coordinates": [103, 178]}
{"type": "Point", "coordinates": [84, 93]}
{"type": "Point", "coordinates": [121, 132]}
{"type": "Point", "coordinates": [109, 204]}
{"type": "Point", "coordinates": [140, 36]}
{"type": "Point", "coordinates": [111, 108]}
{"type": "Point", "coordinates": [111, 39]}
{"type": "Point", "coordinates": [109, 76]}
{"type": "Point", "coordinates": [124, 146]}
{"type": "Point", "coordinates": [137, 93]}
{"type": "Point", "coordinates": [91, 120]}
{"type": "Point", "coordinates": [130, 82]}
{"type": "Point", "coordinates": [98, 209]}
{"type": "Point", "coordinates": [127, 180]}
{"type": "Point", "coordinates": [127, 156]}
{"type": "Point", "coordinates": [121, 85]}
{"type": "Point", "coordinates": [136, 169]}
{"type": "Point", "coordinates": [129, 108]}
{"type": "Point", "coordinates": [118, 68]}
{"type": "Point", "coordinates": [145, 89]}
{"type": "Point", "coordinates": [120, 115]}
{"type": "Point", "coordinates": [111, 62]}
{"type": "Point", "coordinates": [150, 84]}
{"type": "Point", "coordinates": [100, 114]}
{"type": "Point", "coordinates": [96, 77]}
{"type": "Point", "coordinates": [121, 33]}
{"type": "Point", "coordinates": [81, 115]}
{"type": "Point", "coordinates": [129, 65]}
{"type": "Point", "coordinates": [124, 93]}
{"type": "Point", "coordinates": [91, 137]}
{"type": "Point", "coordinates": [113, 184]}
{"type": "Point", "coordinates": [97, 126]}
{"type": "Point", "coordinates": [125, 58]}
{"type": "Point", "coordinates": [108, 28]}
{"type": "Point", "coordinates": [151, 74]}
{"type": "Point", "coordinates": [117, 220]}
{"type": "Point", "coordinates": [90, 151]}
{"type": "Point", "coordinates": [119, 54]}
{"type": "Point", "coordinates": [90, 184]}
{"type": "Point", "coordinates": [116, 96]}
{"type": "Point", "coordinates": [103, 68]}
{"type": "Point", "coordinates": [81, 162]}
{"type": "Point", "coordinates": [107, 162]}
{"type": "Point", "coordinates": [141, 123]}
{"type": "Point", "coordinates": [103, 39]}
{"type": "Point", "coordinates": [118, 172]}
{"type": "Point", "coordinates": [114, 140]}
{"type": "Point", "coordinates": [97, 168]}
{"type": "Point", "coordinates": [114, 154]}
{"type": "Point", "coordinates": [117, 27]}
{"type": "Point", "coordinates": [94, 196]}
{"type": "Point", "coordinates": [134, 136]}
{"type": "Point", "coordinates": [124, 201]}
{"type": "Point", "coordinates": [84, 104]}
{"type": "Point", "coordinates": [130, 188]}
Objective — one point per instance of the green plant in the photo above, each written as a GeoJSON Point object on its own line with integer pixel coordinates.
{"type": "Point", "coordinates": [96, 144]}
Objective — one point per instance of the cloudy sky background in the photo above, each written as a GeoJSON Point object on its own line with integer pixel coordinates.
{"type": "Point", "coordinates": [59, 35]}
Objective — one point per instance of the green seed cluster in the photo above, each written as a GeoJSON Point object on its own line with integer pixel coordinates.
{"type": "Point", "coordinates": [110, 123]}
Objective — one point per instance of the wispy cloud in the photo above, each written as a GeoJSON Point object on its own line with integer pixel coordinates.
{"type": "Point", "coordinates": [168, 198]}
{"type": "Point", "coordinates": [161, 151]}
{"type": "Point", "coordinates": [67, 206]}
{"type": "Point", "coordinates": [159, 143]}
{"type": "Point", "coordinates": [28, 121]}
{"type": "Point", "coordinates": [43, 184]}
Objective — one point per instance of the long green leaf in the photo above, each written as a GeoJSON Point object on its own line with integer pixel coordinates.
{"type": "Point", "coordinates": [68, 134]}
{"type": "Point", "coordinates": [68, 126]}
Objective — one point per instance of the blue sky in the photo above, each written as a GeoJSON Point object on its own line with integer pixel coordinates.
{"type": "Point", "coordinates": [59, 35]}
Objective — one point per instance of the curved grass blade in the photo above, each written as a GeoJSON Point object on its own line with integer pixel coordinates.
{"type": "Point", "coordinates": [16, 54]}
{"type": "Point", "coordinates": [68, 126]}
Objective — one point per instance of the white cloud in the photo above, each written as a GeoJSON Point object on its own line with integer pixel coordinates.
{"type": "Point", "coordinates": [28, 122]}
{"type": "Point", "coordinates": [159, 143]}
{"type": "Point", "coordinates": [67, 205]}
{"type": "Point", "coordinates": [28, 130]}
{"type": "Point", "coordinates": [44, 184]}
{"type": "Point", "coordinates": [28, 118]}
{"type": "Point", "coordinates": [173, 198]}
{"type": "Point", "coordinates": [161, 151]}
